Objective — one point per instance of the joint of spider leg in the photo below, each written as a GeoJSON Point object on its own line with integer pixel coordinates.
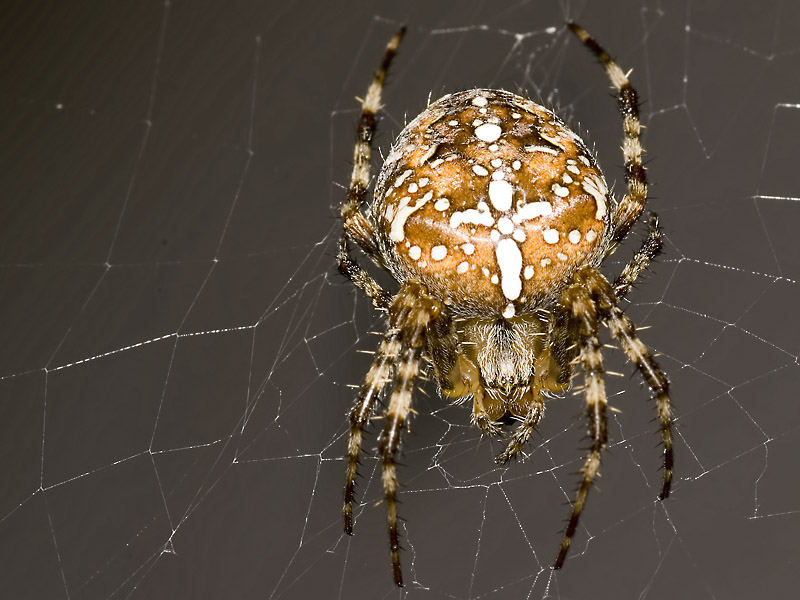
{"type": "Point", "coordinates": [628, 100]}
{"type": "Point", "coordinates": [635, 171]}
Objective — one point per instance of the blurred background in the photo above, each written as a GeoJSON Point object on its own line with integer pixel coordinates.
{"type": "Point", "coordinates": [179, 352]}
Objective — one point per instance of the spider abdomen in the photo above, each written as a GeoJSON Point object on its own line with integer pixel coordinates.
{"type": "Point", "coordinates": [489, 200]}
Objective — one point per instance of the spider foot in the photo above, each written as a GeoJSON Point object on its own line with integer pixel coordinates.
{"type": "Point", "coordinates": [506, 455]}
{"type": "Point", "coordinates": [486, 424]}
{"type": "Point", "coordinates": [664, 494]}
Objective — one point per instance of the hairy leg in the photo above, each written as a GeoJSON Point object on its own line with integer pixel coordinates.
{"type": "Point", "coordinates": [624, 331]}
{"type": "Point", "coordinates": [650, 248]}
{"type": "Point", "coordinates": [412, 311]}
{"type": "Point", "coordinates": [377, 378]}
{"type": "Point", "coordinates": [349, 267]}
{"type": "Point", "coordinates": [356, 228]}
{"type": "Point", "coordinates": [585, 326]}
{"type": "Point", "coordinates": [627, 211]}
{"type": "Point", "coordinates": [525, 428]}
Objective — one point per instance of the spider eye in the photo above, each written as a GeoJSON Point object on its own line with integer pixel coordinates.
{"type": "Point", "coordinates": [490, 201]}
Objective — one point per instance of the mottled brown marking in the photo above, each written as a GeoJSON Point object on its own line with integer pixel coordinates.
{"type": "Point", "coordinates": [542, 145]}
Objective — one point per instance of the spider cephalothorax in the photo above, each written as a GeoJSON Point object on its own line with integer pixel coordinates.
{"type": "Point", "coordinates": [494, 218]}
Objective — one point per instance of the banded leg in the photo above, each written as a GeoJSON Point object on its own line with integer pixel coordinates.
{"type": "Point", "coordinates": [397, 416]}
{"type": "Point", "coordinates": [651, 247]}
{"type": "Point", "coordinates": [486, 412]}
{"type": "Point", "coordinates": [624, 331]}
{"type": "Point", "coordinates": [376, 379]}
{"type": "Point", "coordinates": [349, 267]}
{"type": "Point", "coordinates": [356, 226]}
{"type": "Point", "coordinates": [585, 321]}
{"type": "Point", "coordinates": [628, 210]}
{"type": "Point", "coordinates": [523, 432]}
{"type": "Point", "coordinates": [418, 310]}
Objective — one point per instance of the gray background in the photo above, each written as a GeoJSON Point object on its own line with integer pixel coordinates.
{"type": "Point", "coordinates": [178, 348]}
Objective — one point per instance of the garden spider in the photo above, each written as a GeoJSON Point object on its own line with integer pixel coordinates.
{"type": "Point", "coordinates": [494, 218]}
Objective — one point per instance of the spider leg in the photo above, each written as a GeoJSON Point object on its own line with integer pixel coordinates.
{"type": "Point", "coordinates": [356, 227]}
{"type": "Point", "coordinates": [651, 247]}
{"type": "Point", "coordinates": [486, 412]}
{"type": "Point", "coordinates": [628, 210]}
{"type": "Point", "coordinates": [585, 324]}
{"type": "Point", "coordinates": [414, 311]}
{"type": "Point", "coordinates": [349, 267]}
{"type": "Point", "coordinates": [376, 379]}
{"type": "Point", "coordinates": [397, 413]}
{"type": "Point", "coordinates": [624, 331]}
{"type": "Point", "coordinates": [523, 432]}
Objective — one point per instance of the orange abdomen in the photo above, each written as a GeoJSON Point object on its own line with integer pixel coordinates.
{"type": "Point", "coordinates": [491, 201]}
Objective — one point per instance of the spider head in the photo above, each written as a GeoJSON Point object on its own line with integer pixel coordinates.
{"type": "Point", "coordinates": [506, 355]}
{"type": "Point", "coordinates": [504, 364]}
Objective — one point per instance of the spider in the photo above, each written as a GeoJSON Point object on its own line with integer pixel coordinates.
{"type": "Point", "coordinates": [494, 218]}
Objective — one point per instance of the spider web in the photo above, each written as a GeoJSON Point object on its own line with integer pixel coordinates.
{"type": "Point", "coordinates": [179, 353]}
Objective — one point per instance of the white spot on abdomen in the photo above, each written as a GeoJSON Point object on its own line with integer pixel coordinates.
{"type": "Point", "coordinates": [555, 140]}
{"type": "Point", "coordinates": [505, 225]}
{"type": "Point", "coordinates": [550, 236]}
{"type": "Point", "coordinates": [597, 188]}
{"type": "Point", "coordinates": [501, 193]}
{"type": "Point", "coordinates": [560, 190]}
{"type": "Point", "coordinates": [397, 232]}
{"type": "Point", "coordinates": [545, 149]}
{"type": "Point", "coordinates": [442, 204]}
{"type": "Point", "coordinates": [399, 181]}
{"type": "Point", "coordinates": [509, 259]}
{"type": "Point", "coordinates": [481, 216]}
{"type": "Point", "coordinates": [438, 252]}
{"type": "Point", "coordinates": [488, 132]}
{"type": "Point", "coordinates": [533, 210]}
